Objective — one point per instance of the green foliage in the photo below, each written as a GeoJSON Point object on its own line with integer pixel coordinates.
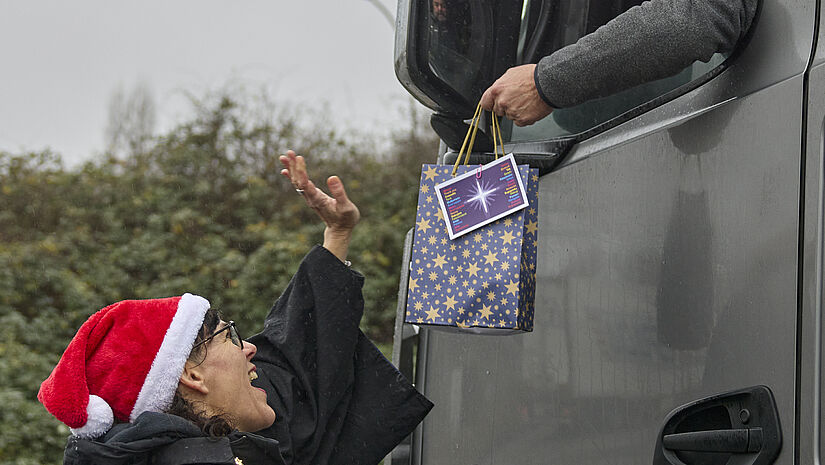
{"type": "Point", "coordinates": [203, 209]}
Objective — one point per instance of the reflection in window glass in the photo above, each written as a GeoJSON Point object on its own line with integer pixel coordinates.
{"type": "Point", "coordinates": [451, 32]}
{"type": "Point", "coordinates": [549, 25]}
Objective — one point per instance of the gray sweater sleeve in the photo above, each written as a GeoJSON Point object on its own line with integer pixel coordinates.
{"type": "Point", "coordinates": [651, 41]}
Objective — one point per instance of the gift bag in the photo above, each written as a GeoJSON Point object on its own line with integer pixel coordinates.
{"type": "Point", "coordinates": [483, 281]}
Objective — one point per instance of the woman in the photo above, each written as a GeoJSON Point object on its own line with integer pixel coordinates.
{"type": "Point", "coordinates": [167, 381]}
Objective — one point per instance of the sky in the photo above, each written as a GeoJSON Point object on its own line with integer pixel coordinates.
{"type": "Point", "coordinates": [61, 62]}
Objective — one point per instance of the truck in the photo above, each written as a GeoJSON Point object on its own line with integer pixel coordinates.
{"type": "Point", "coordinates": [678, 309]}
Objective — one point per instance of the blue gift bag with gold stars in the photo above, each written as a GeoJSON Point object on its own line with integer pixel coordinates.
{"type": "Point", "coordinates": [483, 281]}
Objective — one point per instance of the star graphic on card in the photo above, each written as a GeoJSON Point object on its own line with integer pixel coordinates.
{"type": "Point", "coordinates": [432, 314]}
{"type": "Point", "coordinates": [439, 261]}
{"type": "Point", "coordinates": [430, 173]}
{"type": "Point", "coordinates": [424, 225]}
{"type": "Point", "coordinates": [507, 237]}
{"type": "Point", "coordinates": [490, 258]}
{"type": "Point", "coordinates": [425, 188]}
{"type": "Point", "coordinates": [413, 284]}
{"type": "Point", "coordinates": [439, 214]}
{"type": "Point", "coordinates": [512, 288]}
{"type": "Point", "coordinates": [485, 311]}
{"type": "Point", "coordinates": [449, 304]}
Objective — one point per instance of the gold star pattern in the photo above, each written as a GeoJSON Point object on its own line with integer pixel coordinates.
{"type": "Point", "coordinates": [449, 304]}
{"type": "Point", "coordinates": [512, 288]}
{"type": "Point", "coordinates": [425, 188]}
{"type": "Point", "coordinates": [432, 314]}
{"type": "Point", "coordinates": [485, 311]}
{"type": "Point", "coordinates": [490, 258]}
{"type": "Point", "coordinates": [473, 269]}
{"type": "Point", "coordinates": [418, 306]}
{"type": "Point", "coordinates": [531, 227]}
{"type": "Point", "coordinates": [433, 275]}
{"type": "Point", "coordinates": [439, 261]}
{"type": "Point", "coordinates": [413, 284]}
{"type": "Point", "coordinates": [430, 173]}
{"type": "Point", "coordinates": [423, 225]}
{"type": "Point", "coordinates": [508, 237]}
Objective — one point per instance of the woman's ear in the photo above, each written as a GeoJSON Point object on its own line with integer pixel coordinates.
{"type": "Point", "coordinates": [192, 378]}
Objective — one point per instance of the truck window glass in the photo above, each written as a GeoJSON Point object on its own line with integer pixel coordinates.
{"type": "Point", "coordinates": [548, 25]}
{"type": "Point", "coordinates": [451, 30]}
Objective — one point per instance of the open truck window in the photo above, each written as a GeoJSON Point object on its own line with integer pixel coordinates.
{"type": "Point", "coordinates": [452, 50]}
{"type": "Point", "coordinates": [549, 25]}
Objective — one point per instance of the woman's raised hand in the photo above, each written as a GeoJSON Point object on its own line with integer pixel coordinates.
{"type": "Point", "coordinates": [338, 213]}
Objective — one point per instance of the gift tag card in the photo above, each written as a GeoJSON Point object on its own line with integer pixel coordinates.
{"type": "Point", "coordinates": [481, 196]}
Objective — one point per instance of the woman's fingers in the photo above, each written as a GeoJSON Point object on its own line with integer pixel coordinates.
{"type": "Point", "coordinates": [337, 211]}
{"type": "Point", "coordinates": [336, 188]}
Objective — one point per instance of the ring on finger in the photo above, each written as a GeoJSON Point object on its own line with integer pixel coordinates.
{"type": "Point", "coordinates": [299, 191]}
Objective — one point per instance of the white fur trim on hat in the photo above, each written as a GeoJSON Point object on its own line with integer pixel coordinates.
{"type": "Point", "coordinates": [99, 419]}
{"type": "Point", "coordinates": [159, 387]}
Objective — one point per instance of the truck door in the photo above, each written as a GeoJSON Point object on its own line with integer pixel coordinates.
{"type": "Point", "coordinates": [669, 274]}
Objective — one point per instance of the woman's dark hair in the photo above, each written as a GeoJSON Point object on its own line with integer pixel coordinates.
{"type": "Point", "coordinates": [215, 425]}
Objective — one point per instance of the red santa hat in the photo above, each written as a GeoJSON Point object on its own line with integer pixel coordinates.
{"type": "Point", "coordinates": [126, 359]}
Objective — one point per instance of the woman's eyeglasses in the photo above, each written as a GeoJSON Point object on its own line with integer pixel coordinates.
{"type": "Point", "coordinates": [232, 335]}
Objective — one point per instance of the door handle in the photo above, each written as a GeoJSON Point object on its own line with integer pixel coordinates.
{"type": "Point", "coordinates": [739, 427]}
{"type": "Point", "coordinates": [737, 441]}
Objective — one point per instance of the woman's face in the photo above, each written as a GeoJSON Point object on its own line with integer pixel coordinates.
{"type": "Point", "coordinates": [227, 375]}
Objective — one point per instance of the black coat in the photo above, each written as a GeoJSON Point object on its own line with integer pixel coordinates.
{"type": "Point", "coordinates": [336, 398]}
{"type": "Point", "coordinates": [163, 439]}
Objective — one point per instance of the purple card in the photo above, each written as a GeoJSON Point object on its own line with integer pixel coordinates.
{"type": "Point", "coordinates": [481, 196]}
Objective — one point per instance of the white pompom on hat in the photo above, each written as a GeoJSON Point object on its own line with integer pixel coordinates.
{"type": "Point", "coordinates": [125, 359]}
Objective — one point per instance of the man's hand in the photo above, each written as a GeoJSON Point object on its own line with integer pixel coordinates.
{"type": "Point", "coordinates": [338, 213]}
{"type": "Point", "coordinates": [514, 96]}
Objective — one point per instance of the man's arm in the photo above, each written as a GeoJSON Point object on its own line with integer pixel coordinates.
{"type": "Point", "coordinates": [651, 41]}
